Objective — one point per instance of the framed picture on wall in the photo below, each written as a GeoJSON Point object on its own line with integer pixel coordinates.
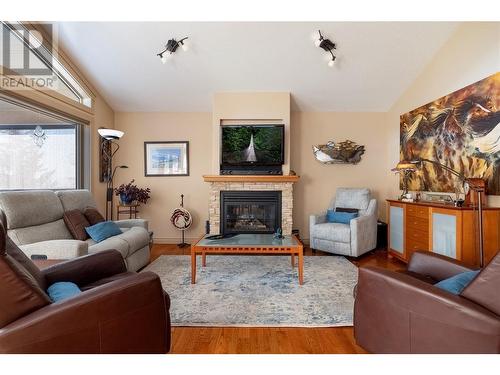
{"type": "Point", "coordinates": [168, 158]}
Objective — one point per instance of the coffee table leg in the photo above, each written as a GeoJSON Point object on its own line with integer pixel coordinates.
{"type": "Point", "coordinates": [193, 266]}
{"type": "Point", "coordinates": [301, 268]}
{"type": "Point", "coordinates": [203, 259]}
{"type": "Point", "coordinates": [293, 260]}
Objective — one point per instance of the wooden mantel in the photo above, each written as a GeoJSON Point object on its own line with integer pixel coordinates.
{"type": "Point", "coordinates": [249, 178]}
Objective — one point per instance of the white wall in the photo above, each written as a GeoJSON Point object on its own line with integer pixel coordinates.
{"type": "Point", "coordinates": [274, 106]}
{"type": "Point", "coordinates": [140, 127]}
{"type": "Point", "coordinates": [318, 182]}
{"type": "Point", "coordinates": [471, 54]}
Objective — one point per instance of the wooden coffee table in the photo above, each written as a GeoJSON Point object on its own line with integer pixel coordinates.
{"type": "Point", "coordinates": [248, 244]}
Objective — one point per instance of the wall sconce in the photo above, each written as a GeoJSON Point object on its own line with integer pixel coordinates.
{"type": "Point", "coordinates": [327, 45]}
{"type": "Point", "coordinates": [171, 47]}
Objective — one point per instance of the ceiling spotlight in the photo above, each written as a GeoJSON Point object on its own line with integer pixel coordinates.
{"type": "Point", "coordinates": [327, 45]}
{"type": "Point", "coordinates": [184, 45]}
{"type": "Point", "coordinates": [171, 47]}
{"type": "Point", "coordinates": [164, 57]}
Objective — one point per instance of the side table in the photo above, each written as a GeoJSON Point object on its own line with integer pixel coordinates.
{"type": "Point", "coordinates": [127, 209]}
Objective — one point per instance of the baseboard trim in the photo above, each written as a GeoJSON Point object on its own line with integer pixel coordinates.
{"type": "Point", "coordinates": [176, 240]}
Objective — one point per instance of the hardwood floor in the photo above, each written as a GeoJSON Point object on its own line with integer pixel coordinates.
{"type": "Point", "coordinates": [210, 340]}
{"type": "Point", "coordinates": [225, 340]}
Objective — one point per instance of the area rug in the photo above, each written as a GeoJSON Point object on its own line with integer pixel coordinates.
{"type": "Point", "coordinates": [258, 291]}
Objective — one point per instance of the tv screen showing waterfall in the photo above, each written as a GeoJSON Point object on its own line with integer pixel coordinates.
{"type": "Point", "coordinates": [252, 144]}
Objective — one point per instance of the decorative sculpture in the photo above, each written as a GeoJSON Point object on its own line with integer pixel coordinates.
{"type": "Point", "coordinates": [347, 152]}
{"type": "Point", "coordinates": [181, 219]}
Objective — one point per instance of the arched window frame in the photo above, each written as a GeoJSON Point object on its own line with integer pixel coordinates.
{"type": "Point", "coordinates": [51, 55]}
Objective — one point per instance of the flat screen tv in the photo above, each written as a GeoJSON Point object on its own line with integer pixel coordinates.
{"type": "Point", "coordinates": [245, 145]}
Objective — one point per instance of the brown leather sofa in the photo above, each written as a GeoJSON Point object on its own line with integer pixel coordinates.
{"type": "Point", "coordinates": [402, 312]}
{"type": "Point", "coordinates": [117, 311]}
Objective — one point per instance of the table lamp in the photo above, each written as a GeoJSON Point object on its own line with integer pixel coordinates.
{"type": "Point", "coordinates": [405, 168]}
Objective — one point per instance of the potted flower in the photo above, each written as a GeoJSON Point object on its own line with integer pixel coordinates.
{"type": "Point", "coordinates": [131, 193]}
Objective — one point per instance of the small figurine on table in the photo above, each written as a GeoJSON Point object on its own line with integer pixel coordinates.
{"type": "Point", "coordinates": [278, 234]}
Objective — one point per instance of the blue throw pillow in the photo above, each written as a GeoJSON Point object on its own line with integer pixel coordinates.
{"type": "Point", "coordinates": [340, 217]}
{"type": "Point", "coordinates": [62, 290]}
{"type": "Point", "coordinates": [100, 231]}
{"type": "Point", "coordinates": [457, 283]}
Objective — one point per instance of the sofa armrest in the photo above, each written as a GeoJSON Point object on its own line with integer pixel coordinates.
{"type": "Point", "coordinates": [129, 223]}
{"type": "Point", "coordinates": [123, 316]}
{"type": "Point", "coordinates": [363, 234]}
{"type": "Point", "coordinates": [86, 269]}
{"type": "Point", "coordinates": [422, 299]}
{"type": "Point", "coordinates": [317, 219]}
{"type": "Point", "coordinates": [397, 313]}
{"type": "Point", "coordinates": [483, 289]}
{"type": "Point", "coordinates": [437, 266]}
{"type": "Point", "coordinates": [57, 249]}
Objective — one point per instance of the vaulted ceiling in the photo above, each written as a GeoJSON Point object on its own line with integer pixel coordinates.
{"type": "Point", "coordinates": [377, 61]}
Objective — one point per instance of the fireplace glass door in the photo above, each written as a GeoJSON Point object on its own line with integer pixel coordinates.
{"type": "Point", "coordinates": [250, 211]}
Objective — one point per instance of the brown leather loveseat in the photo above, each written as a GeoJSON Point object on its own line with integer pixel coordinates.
{"type": "Point", "coordinates": [402, 312]}
{"type": "Point", "coordinates": [117, 311]}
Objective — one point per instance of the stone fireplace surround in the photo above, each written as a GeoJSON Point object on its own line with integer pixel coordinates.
{"type": "Point", "coordinates": [251, 183]}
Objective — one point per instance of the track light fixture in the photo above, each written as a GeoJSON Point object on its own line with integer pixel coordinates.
{"type": "Point", "coordinates": [327, 45]}
{"type": "Point", "coordinates": [171, 47]}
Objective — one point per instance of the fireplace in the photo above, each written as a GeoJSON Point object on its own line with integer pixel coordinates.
{"type": "Point", "coordinates": [250, 211]}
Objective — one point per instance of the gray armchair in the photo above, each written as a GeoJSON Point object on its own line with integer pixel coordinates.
{"type": "Point", "coordinates": [354, 239]}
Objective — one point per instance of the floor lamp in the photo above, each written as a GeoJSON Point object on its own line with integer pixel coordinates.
{"type": "Point", "coordinates": [468, 184]}
{"type": "Point", "coordinates": [109, 147]}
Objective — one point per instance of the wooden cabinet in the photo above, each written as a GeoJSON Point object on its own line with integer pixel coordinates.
{"type": "Point", "coordinates": [442, 229]}
{"type": "Point", "coordinates": [417, 217]}
{"type": "Point", "coordinates": [446, 230]}
{"type": "Point", "coordinates": [396, 230]}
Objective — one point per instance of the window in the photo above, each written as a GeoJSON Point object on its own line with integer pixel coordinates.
{"type": "Point", "coordinates": [38, 150]}
{"type": "Point", "coordinates": [24, 54]}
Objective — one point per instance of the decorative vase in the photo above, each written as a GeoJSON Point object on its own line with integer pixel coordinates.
{"type": "Point", "coordinates": [126, 199]}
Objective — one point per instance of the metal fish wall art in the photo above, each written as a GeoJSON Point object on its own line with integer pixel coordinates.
{"type": "Point", "coordinates": [347, 152]}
